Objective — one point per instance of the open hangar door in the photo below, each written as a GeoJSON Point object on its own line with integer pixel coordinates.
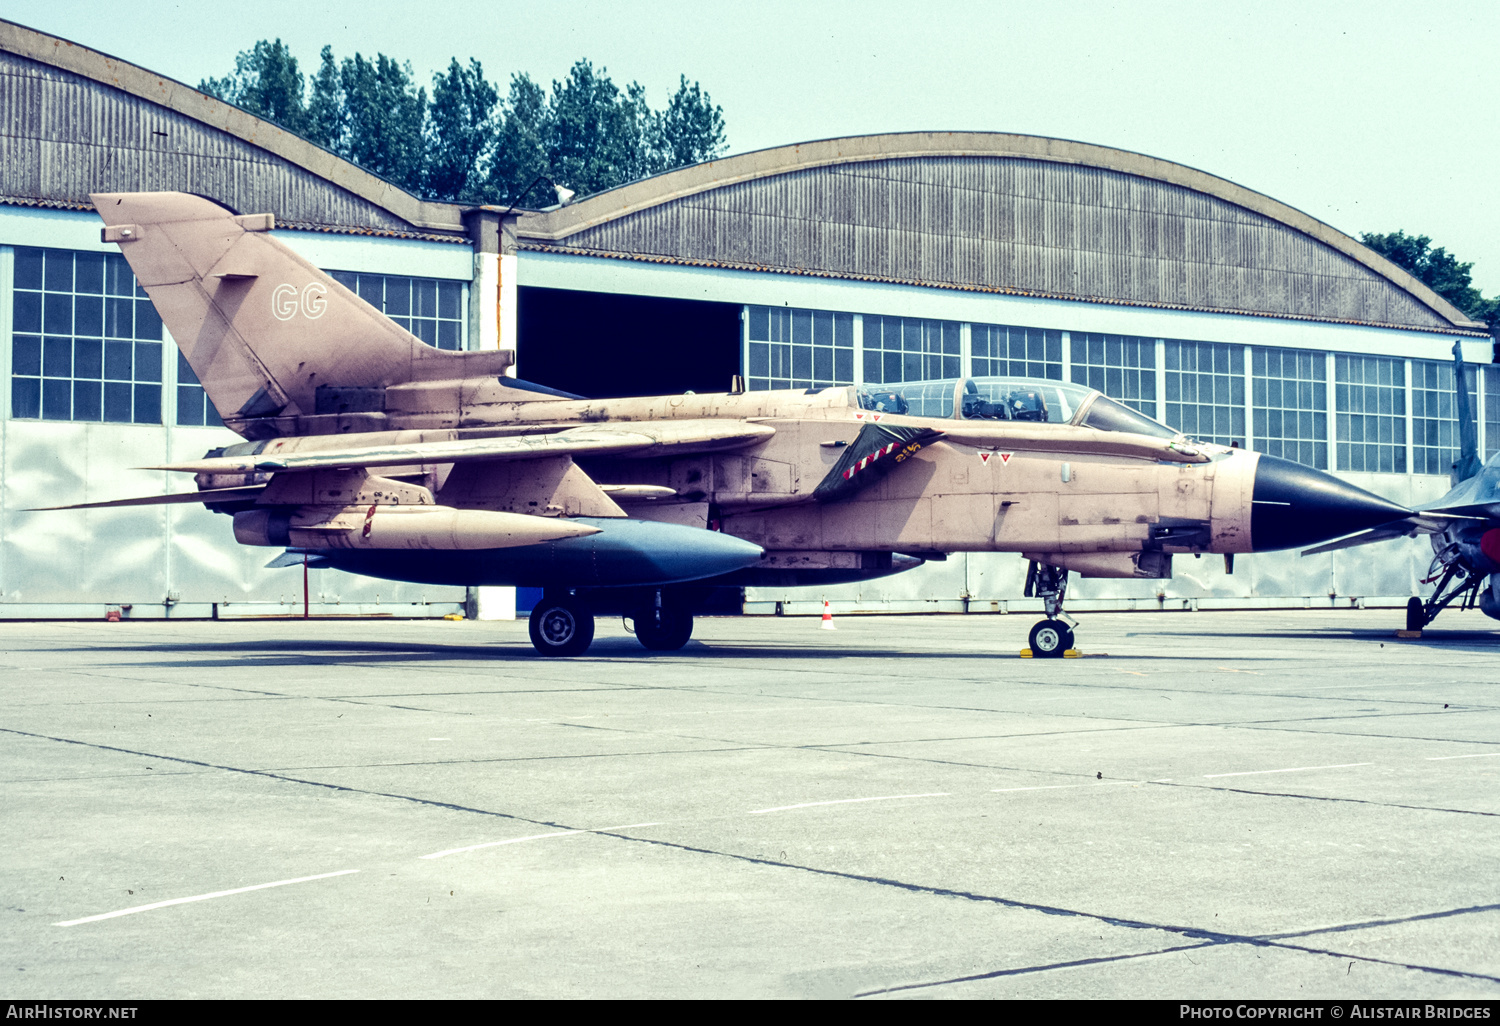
{"type": "Point", "coordinates": [603, 346]}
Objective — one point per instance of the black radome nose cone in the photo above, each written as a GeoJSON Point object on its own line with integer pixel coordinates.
{"type": "Point", "coordinates": [1296, 505]}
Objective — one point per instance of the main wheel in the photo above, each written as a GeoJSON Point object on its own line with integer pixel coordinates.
{"type": "Point", "coordinates": [1416, 614]}
{"type": "Point", "coordinates": [1050, 639]}
{"type": "Point", "coordinates": [663, 630]}
{"type": "Point", "coordinates": [561, 627]}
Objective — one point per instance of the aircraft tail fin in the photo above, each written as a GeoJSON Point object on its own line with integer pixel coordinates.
{"type": "Point", "coordinates": [1468, 463]}
{"type": "Point", "coordinates": [270, 336]}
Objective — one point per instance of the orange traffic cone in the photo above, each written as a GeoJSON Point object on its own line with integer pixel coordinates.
{"type": "Point", "coordinates": [827, 624]}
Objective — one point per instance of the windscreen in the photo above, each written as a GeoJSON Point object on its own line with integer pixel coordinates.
{"type": "Point", "coordinates": [1107, 415]}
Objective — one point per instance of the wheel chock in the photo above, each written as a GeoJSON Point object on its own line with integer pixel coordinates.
{"type": "Point", "coordinates": [1072, 653]}
{"type": "Point", "coordinates": [454, 616]}
{"type": "Point", "coordinates": [1025, 653]}
{"type": "Point", "coordinates": [1408, 634]}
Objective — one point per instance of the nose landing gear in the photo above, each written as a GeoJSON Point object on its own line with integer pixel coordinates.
{"type": "Point", "coordinates": [1053, 637]}
{"type": "Point", "coordinates": [663, 625]}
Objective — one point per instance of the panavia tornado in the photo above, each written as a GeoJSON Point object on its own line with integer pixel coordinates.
{"type": "Point", "coordinates": [1463, 526]}
{"type": "Point", "coordinates": [369, 451]}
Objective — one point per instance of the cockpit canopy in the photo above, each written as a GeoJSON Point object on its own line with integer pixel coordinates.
{"type": "Point", "coordinates": [1038, 400]}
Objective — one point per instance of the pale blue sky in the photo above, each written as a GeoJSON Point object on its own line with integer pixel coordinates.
{"type": "Point", "coordinates": [1370, 116]}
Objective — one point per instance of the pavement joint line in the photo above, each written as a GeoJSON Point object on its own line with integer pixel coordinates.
{"type": "Point", "coordinates": [1213, 937]}
{"type": "Point", "coordinates": [1076, 963]}
{"type": "Point", "coordinates": [1396, 921]}
{"type": "Point", "coordinates": [202, 897]}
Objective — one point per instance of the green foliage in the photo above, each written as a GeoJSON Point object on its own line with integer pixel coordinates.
{"type": "Point", "coordinates": [1436, 268]}
{"type": "Point", "coordinates": [384, 119]}
{"type": "Point", "coordinates": [460, 124]}
{"type": "Point", "coordinates": [467, 144]}
{"type": "Point", "coordinates": [267, 83]}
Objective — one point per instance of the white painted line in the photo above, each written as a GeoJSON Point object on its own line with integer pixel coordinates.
{"type": "Point", "coordinates": [202, 897]}
{"type": "Point", "coordinates": [532, 837]}
{"type": "Point", "coordinates": [1059, 787]}
{"type": "Point", "coordinates": [1294, 769]}
{"type": "Point", "coordinates": [495, 844]}
{"type": "Point", "coordinates": [1478, 755]}
{"type": "Point", "coordinates": [850, 801]}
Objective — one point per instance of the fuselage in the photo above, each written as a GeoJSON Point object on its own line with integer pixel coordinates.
{"type": "Point", "coordinates": [1074, 480]}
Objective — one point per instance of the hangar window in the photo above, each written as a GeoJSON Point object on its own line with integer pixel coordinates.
{"type": "Point", "coordinates": [788, 348]}
{"type": "Point", "coordinates": [429, 308]}
{"type": "Point", "coordinates": [86, 342]}
{"type": "Point", "coordinates": [1370, 402]}
{"type": "Point", "coordinates": [999, 350]}
{"type": "Point", "coordinates": [1290, 404]}
{"type": "Point", "coordinates": [1491, 410]}
{"type": "Point", "coordinates": [193, 407]}
{"type": "Point", "coordinates": [1123, 367]}
{"type": "Point", "coordinates": [901, 349]}
{"type": "Point", "coordinates": [1434, 416]}
{"type": "Point", "coordinates": [1205, 386]}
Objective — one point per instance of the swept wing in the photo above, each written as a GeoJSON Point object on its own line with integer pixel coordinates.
{"type": "Point", "coordinates": [633, 439]}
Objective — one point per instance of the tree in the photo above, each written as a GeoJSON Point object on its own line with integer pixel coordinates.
{"type": "Point", "coordinates": [267, 83]}
{"type": "Point", "coordinates": [689, 131]}
{"type": "Point", "coordinates": [1438, 269]}
{"type": "Point", "coordinates": [467, 145]}
{"type": "Point", "coordinates": [384, 118]}
{"type": "Point", "coordinates": [460, 129]}
{"type": "Point", "coordinates": [325, 105]}
{"type": "Point", "coordinates": [520, 147]}
{"type": "Point", "coordinates": [596, 135]}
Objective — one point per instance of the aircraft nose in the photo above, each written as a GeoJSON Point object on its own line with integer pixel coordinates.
{"type": "Point", "coordinates": [1295, 505]}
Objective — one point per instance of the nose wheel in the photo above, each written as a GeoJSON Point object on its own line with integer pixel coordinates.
{"type": "Point", "coordinates": [663, 626]}
{"type": "Point", "coordinates": [561, 625]}
{"type": "Point", "coordinates": [1052, 637]}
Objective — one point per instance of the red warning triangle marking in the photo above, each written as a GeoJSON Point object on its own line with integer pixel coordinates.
{"type": "Point", "coordinates": [984, 457]}
{"type": "Point", "coordinates": [1005, 457]}
{"type": "Point", "coordinates": [859, 416]}
{"type": "Point", "coordinates": [874, 416]}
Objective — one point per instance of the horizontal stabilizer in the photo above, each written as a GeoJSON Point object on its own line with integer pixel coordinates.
{"type": "Point", "coordinates": [292, 557]}
{"type": "Point", "coordinates": [1477, 510]}
{"type": "Point", "coordinates": [176, 498]}
{"type": "Point", "coordinates": [1421, 523]}
{"type": "Point", "coordinates": [635, 439]}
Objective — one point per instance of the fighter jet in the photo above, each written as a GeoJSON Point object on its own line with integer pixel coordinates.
{"type": "Point", "coordinates": [369, 451]}
{"type": "Point", "coordinates": [1463, 526]}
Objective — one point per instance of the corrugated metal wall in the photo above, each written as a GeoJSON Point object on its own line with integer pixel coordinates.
{"type": "Point", "coordinates": [1001, 222]}
{"type": "Point", "coordinates": [63, 136]}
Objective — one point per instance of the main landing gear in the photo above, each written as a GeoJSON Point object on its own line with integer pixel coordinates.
{"type": "Point", "coordinates": [1052, 637]}
{"type": "Point", "coordinates": [562, 624]}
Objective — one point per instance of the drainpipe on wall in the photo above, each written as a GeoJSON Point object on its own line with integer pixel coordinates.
{"type": "Point", "coordinates": [492, 325]}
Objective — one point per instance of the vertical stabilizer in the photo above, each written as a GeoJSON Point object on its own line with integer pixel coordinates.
{"type": "Point", "coordinates": [263, 329]}
{"type": "Point", "coordinates": [1468, 463]}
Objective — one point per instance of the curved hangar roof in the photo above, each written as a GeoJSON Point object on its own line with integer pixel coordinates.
{"type": "Point", "coordinates": [75, 121]}
{"type": "Point", "coordinates": [999, 213]}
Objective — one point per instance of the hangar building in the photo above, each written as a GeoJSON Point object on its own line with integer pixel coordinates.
{"type": "Point", "coordinates": [887, 260]}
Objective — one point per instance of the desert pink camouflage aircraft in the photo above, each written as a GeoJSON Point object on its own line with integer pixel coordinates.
{"type": "Point", "coordinates": [367, 450]}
